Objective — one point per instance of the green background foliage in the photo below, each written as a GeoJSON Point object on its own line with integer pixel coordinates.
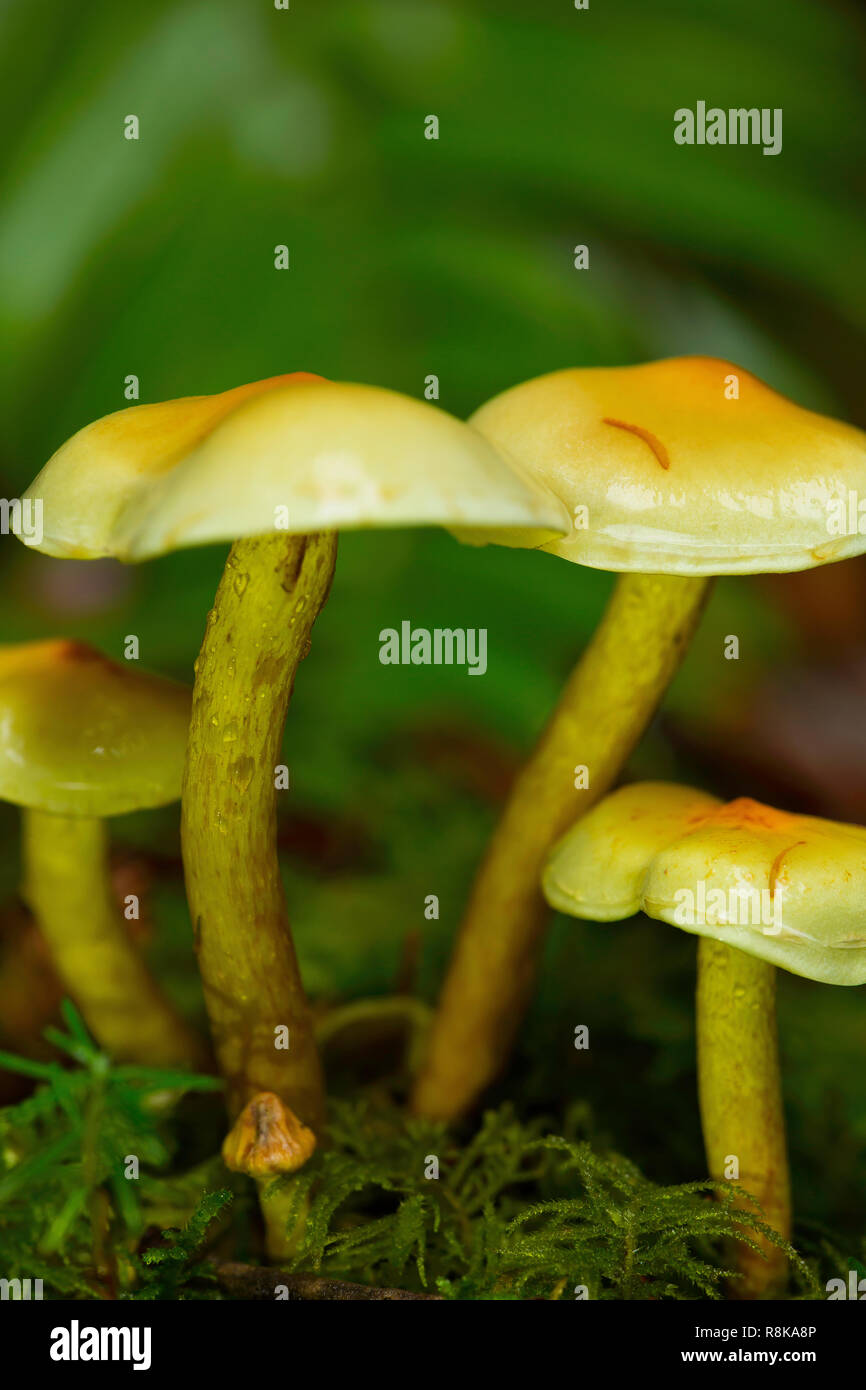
{"type": "Point", "coordinates": [410, 257]}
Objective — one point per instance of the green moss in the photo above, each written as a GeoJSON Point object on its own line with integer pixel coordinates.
{"type": "Point", "coordinates": [516, 1212]}
{"type": "Point", "coordinates": [85, 1167]}
{"type": "Point", "coordinates": [513, 1211]}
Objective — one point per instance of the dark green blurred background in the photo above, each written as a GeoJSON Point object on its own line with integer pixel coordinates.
{"type": "Point", "coordinates": [409, 257]}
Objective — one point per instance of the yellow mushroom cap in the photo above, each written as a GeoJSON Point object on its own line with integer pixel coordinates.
{"type": "Point", "coordinates": [81, 735]}
{"type": "Point", "coordinates": [267, 1138]}
{"type": "Point", "coordinates": [597, 869]}
{"type": "Point", "coordinates": [296, 453]}
{"type": "Point", "coordinates": [789, 889]}
{"type": "Point", "coordinates": [679, 475]}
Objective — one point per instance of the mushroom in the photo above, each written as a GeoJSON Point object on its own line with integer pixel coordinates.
{"type": "Point", "coordinates": [83, 738]}
{"type": "Point", "coordinates": [764, 889]}
{"type": "Point", "coordinates": [266, 1142]}
{"type": "Point", "coordinates": [674, 472]}
{"type": "Point", "coordinates": [276, 467]}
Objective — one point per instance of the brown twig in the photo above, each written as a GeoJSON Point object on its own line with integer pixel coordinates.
{"type": "Point", "coordinates": [253, 1282]}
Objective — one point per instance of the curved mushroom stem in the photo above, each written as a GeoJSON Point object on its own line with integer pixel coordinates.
{"type": "Point", "coordinates": [258, 631]}
{"type": "Point", "coordinates": [68, 888]}
{"type": "Point", "coordinates": [605, 707]}
{"type": "Point", "coordinates": [741, 1099]}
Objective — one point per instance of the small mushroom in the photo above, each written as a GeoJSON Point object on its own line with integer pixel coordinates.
{"type": "Point", "coordinates": [764, 889]}
{"type": "Point", "coordinates": [673, 472]}
{"type": "Point", "coordinates": [83, 738]}
{"type": "Point", "coordinates": [267, 1141]}
{"type": "Point", "coordinates": [276, 467]}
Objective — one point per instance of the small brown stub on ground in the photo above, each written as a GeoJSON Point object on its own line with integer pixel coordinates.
{"type": "Point", "coordinates": [267, 1138]}
{"type": "Point", "coordinates": [656, 445]}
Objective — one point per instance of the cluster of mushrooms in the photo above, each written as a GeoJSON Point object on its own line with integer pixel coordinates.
{"type": "Point", "coordinates": [659, 472]}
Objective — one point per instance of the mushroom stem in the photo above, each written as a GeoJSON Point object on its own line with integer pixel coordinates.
{"type": "Point", "coordinates": [68, 888]}
{"type": "Point", "coordinates": [741, 1099]}
{"type": "Point", "coordinates": [283, 1233]}
{"type": "Point", "coordinates": [258, 631]}
{"type": "Point", "coordinates": [605, 707]}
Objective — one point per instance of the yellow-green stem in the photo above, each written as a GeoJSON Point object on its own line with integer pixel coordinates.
{"type": "Point", "coordinates": [67, 886]}
{"type": "Point", "coordinates": [282, 1235]}
{"type": "Point", "coordinates": [605, 707]}
{"type": "Point", "coordinates": [270, 594]}
{"type": "Point", "coordinates": [741, 1099]}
